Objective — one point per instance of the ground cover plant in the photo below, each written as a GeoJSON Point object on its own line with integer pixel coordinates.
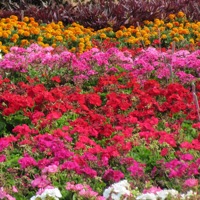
{"type": "Point", "coordinates": [112, 120]}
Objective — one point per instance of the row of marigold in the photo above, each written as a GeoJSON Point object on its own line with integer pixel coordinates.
{"type": "Point", "coordinates": [77, 38]}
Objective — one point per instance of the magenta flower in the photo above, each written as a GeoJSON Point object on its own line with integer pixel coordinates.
{"type": "Point", "coordinates": [2, 158]}
{"type": "Point", "coordinates": [186, 157]}
{"type": "Point", "coordinates": [27, 161]}
{"type": "Point", "coordinates": [114, 175]}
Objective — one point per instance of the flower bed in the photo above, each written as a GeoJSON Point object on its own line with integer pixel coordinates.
{"type": "Point", "coordinates": [106, 123]}
{"type": "Point", "coordinates": [76, 38]}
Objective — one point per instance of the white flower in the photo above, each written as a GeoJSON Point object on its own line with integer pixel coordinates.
{"type": "Point", "coordinates": [55, 192]}
{"type": "Point", "coordinates": [189, 194]}
{"type": "Point", "coordinates": [117, 190]}
{"type": "Point", "coordinates": [107, 192]}
{"type": "Point", "coordinates": [116, 196]}
{"type": "Point", "coordinates": [147, 196]}
{"type": "Point", "coordinates": [173, 192]}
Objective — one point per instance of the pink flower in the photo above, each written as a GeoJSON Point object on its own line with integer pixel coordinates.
{"type": "Point", "coordinates": [40, 182]}
{"type": "Point", "coordinates": [78, 187]}
{"type": "Point", "coordinates": [191, 182]}
{"type": "Point", "coordinates": [41, 190]}
{"type": "Point", "coordinates": [100, 198]}
{"type": "Point", "coordinates": [50, 169]}
{"type": "Point", "coordinates": [2, 193]}
{"type": "Point", "coordinates": [152, 190]}
{"type": "Point", "coordinates": [70, 186]}
{"type": "Point", "coordinates": [14, 189]}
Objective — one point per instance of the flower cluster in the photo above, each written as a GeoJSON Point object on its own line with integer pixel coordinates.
{"type": "Point", "coordinates": [48, 63]}
{"type": "Point", "coordinates": [52, 192]}
{"type": "Point", "coordinates": [112, 131]}
{"type": "Point", "coordinates": [117, 191]}
{"type": "Point", "coordinates": [23, 33]}
{"type": "Point", "coordinates": [76, 38]}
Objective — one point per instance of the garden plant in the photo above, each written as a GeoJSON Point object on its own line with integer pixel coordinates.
{"type": "Point", "coordinates": [91, 110]}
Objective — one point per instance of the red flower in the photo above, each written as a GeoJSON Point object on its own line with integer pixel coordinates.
{"type": "Point", "coordinates": [56, 79]}
{"type": "Point", "coordinates": [164, 152]}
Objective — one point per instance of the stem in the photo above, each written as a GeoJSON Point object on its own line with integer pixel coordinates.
{"type": "Point", "coordinates": [140, 34]}
{"type": "Point", "coordinates": [159, 39]}
{"type": "Point", "coordinates": [195, 100]}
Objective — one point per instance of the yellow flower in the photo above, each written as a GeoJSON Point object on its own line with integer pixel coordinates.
{"type": "Point", "coordinates": [103, 36]}
{"type": "Point", "coordinates": [185, 31]}
{"type": "Point", "coordinates": [180, 14]}
{"type": "Point", "coordinates": [73, 38]}
{"type": "Point", "coordinates": [171, 16]}
{"type": "Point", "coordinates": [14, 37]}
{"type": "Point", "coordinates": [81, 45]}
{"type": "Point", "coordinates": [5, 34]}
{"type": "Point", "coordinates": [187, 25]}
{"type": "Point", "coordinates": [4, 49]}
{"type": "Point", "coordinates": [81, 40]}
{"type": "Point", "coordinates": [181, 38]}
{"type": "Point", "coordinates": [54, 45]}
{"type": "Point", "coordinates": [46, 45]}
{"type": "Point", "coordinates": [60, 23]}
{"type": "Point", "coordinates": [35, 31]}
{"type": "Point", "coordinates": [146, 35]}
{"type": "Point", "coordinates": [48, 35]}
{"type": "Point", "coordinates": [40, 39]}
{"type": "Point", "coordinates": [191, 41]}
{"type": "Point", "coordinates": [147, 42]}
{"type": "Point", "coordinates": [164, 36]}
{"type": "Point", "coordinates": [169, 25]}
{"type": "Point", "coordinates": [26, 19]}
{"type": "Point", "coordinates": [24, 42]}
{"type": "Point", "coordinates": [14, 17]}
{"type": "Point", "coordinates": [26, 33]}
{"type": "Point", "coordinates": [138, 34]}
{"type": "Point", "coordinates": [172, 33]}
{"type": "Point", "coordinates": [119, 34]}
{"type": "Point", "coordinates": [21, 32]}
{"type": "Point", "coordinates": [175, 39]}
{"type": "Point", "coordinates": [175, 30]}
{"type": "Point", "coordinates": [73, 49]}
{"type": "Point", "coordinates": [41, 44]}
{"type": "Point", "coordinates": [146, 22]}
{"type": "Point", "coordinates": [195, 26]}
{"type": "Point", "coordinates": [59, 38]}
{"type": "Point", "coordinates": [122, 28]}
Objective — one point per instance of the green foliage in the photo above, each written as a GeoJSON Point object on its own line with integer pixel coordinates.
{"type": "Point", "coordinates": [7, 123]}
{"type": "Point", "coordinates": [189, 132]}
